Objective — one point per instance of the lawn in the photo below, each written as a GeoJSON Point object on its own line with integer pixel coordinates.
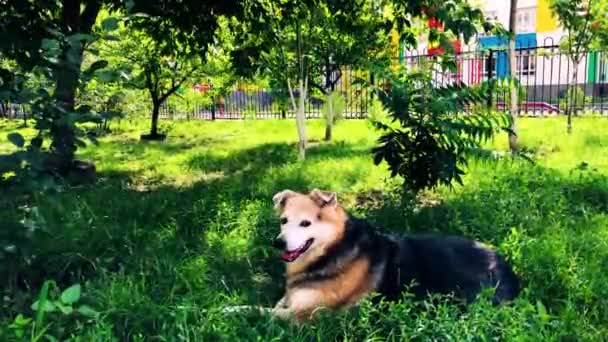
{"type": "Point", "coordinates": [174, 231]}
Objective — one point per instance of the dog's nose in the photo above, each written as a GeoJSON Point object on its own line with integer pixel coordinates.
{"type": "Point", "coordinates": [279, 243]}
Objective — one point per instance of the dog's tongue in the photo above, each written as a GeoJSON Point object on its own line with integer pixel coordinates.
{"type": "Point", "coordinates": [290, 255]}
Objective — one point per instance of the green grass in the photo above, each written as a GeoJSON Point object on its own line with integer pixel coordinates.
{"type": "Point", "coordinates": [173, 231]}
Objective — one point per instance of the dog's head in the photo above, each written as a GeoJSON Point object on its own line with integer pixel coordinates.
{"type": "Point", "coordinates": [310, 223]}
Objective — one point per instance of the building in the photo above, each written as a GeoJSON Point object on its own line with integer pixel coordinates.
{"type": "Point", "coordinates": [542, 68]}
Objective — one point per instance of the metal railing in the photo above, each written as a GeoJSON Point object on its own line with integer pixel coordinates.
{"type": "Point", "coordinates": [546, 76]}
{"type": "Point", "coordinates": [548, 83]}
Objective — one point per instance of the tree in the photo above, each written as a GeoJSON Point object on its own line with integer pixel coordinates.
{"type": "Point", "coordinates": [303, 44]}
{"type": "Point", "coordinates": [52, 37]}
{"type": "Point", "coordinates": [48, 38]}
{"type": "Point", "coordinates": [433, 129]}
{"type": "Point", "coordinates": [576, 17]}
{"type": "Point", "coordinates": [350, 34]}
{"type": "Point", "coordinates": [332, 111]}
{"type": "Point", "coordinates": [513, 87]}
{"type": "Point", "coordinates": [274, 42]}
{"type": "Point", "coordinates": [160, 67]}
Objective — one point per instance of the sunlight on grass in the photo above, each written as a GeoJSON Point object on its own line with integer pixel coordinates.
{"type": "Point", "coordinates": [174, 230]}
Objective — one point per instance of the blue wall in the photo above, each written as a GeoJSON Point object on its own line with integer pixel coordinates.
{"type": "Point", "coordinates": [524, 40]}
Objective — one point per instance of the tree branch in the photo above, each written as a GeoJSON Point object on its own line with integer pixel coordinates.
{"type": "Point", "coordinates": [319, 87]}
{"type": "Point", "coordinates": [174, 86]}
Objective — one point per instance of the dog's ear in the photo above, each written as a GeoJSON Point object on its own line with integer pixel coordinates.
{"type": "Point", "coordinates": [280, 198]}
{"type": "Point", "coordinates": [324, 198]}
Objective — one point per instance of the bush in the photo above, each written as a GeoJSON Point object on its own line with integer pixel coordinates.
{"type": "Point", "coordinates": [333, 108]}
{"type": "Point", "coordinates": [435, 132]}
{"type": "Point", "coordinates": [575, 97]}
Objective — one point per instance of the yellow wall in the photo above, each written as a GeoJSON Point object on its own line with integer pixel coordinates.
{"type": "Point", "coordinates": [394, 47]}
{"type": "Point", "coordinates": [545, 20]}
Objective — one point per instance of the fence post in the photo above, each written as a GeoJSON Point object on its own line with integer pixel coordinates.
{"type": "Point", "coordinates": [490, 69]}
{"type": "Point", "coordinates": [213, 108]}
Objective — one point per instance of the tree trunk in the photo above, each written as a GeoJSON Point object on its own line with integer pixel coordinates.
{"type": "Point", "coordinates": [76, 17]}
{"type": "Point", "coordinates": [303, 87]}
{"type": "Point", "coordinates": [301, 121]}
{"type": "Point", "coordinates": [63, 145]}
{"type": "Point", "coordinates": [330, 118]}
{"type": "Point", "coordinates": [154, 134]}
{"type": "Point", "coordinates": [571, 96]}
{"type": "Point", "coordinates": [328, 132]}
{"type": "Point", "coordinates": [513, 110]}
{"type": "Point", "coordinates": [155, 114]}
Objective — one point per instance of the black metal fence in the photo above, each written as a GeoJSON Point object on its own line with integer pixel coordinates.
{"type": "Point", "coordinates": [548, 82]}
{"type": "Point", "coordinates": [548, 78]}
{"type": "Point", "coordinates": [251, 101]}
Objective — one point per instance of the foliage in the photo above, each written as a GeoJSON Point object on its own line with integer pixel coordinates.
{"type": "Point", "coordinates": [378, 114]}
{"type": "Point", "coordinates": [178, 230]}
{"type": "Point", "coordinates": [48, 39]}
{"type": "Point", "coordinates": [49, 46]}
{"type": "Point", "coordinates": [599, 26]}
{"type": "Point", "coordinates": [59, 133]}
{"type": "Point", "coordinates": [575, 98]}
{"type": "Point", "coordinates": [577, 18]}
{"type": "Point", "coordinates": [50, 301]}
{"type": "Point", "coordinates": [333, 34]}
{"type": "Point", "coordinates": [160, 67]}
{"type": "Point", "coordinates": [215, 72]}
{"type": "Point", "coordinates": [338, 105]}
{"type": "Point", "coordinates": [307, 42]}
{"type": "Point", "coordinates": [435, 134]}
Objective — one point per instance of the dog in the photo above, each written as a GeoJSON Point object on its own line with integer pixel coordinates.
{"type": "Point", "coordinates": [333, 260]}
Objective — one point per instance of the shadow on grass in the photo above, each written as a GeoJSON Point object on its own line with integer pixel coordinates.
{"type": "Point", "coordinates": [210, 241]}
{"type": "Point", "coordinates": [113, 227]}
{"type": "Point", "coordinates": [268, 155]}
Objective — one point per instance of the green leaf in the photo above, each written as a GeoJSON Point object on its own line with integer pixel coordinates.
{"type": "Point", "coordinates": [71, 294]}
{"type": "Point", "coordinates": [107, 76]}
{"type": "Point", "coordinates": [542, 311]}
{"type": "Point", "coordinates": [97, 66]}
{"type": "Point", "coordinates": [49, 44]}
{"type": "Point", "coordinates": [109, 24]}
{"type": "Point", "coordinates": [48, 306]}
{"type": "Point", "coordinates": [21, 320]}
{"type": "Point", "coordinates": [80, 37]}
{"type": "Point", "coordinates": [80, 143]}
{"type": "Point", "coordinates": [16, 138]}
{"type": "Point", "coordinates": [65, 309]}
{"type": "Point", "coordinates": [88, 311]}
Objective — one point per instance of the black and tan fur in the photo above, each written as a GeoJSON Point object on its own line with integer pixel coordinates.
{"type": "Point", "coordinates": [348, 260]}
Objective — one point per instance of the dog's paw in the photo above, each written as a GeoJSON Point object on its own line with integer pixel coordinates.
{"type": "Point", "coordinates": [239, 308]}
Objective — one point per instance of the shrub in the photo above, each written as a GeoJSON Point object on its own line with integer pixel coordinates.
{"type": "Point", "coordinates": [435, 132]}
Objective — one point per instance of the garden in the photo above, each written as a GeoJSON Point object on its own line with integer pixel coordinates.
{"type": "Point", "coordinates": [121, 223]}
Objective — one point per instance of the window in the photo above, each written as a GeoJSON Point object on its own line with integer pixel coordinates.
{"type": "Point", "coordinates": [484, 66]}
{"type": "Point", "coordinates": [526, 63]}
{"type": "Point", "coordinates": [526, 19]}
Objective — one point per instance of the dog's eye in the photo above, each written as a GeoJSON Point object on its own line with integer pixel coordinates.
{"type": "Point", "coordinates": [283, 220]}
{"type": "Point", "coordinates": [305, 223]}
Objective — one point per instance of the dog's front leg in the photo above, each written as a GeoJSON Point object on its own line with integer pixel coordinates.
{"type": "Point", "coordinates": [281, 309]}
{"type": "Point", "coordinates": [282, 303]}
